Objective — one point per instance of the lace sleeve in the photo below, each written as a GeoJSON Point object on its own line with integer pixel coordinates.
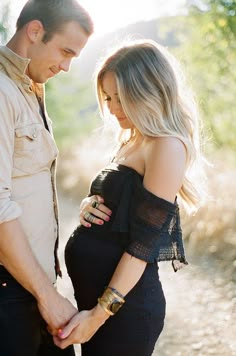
{"type": "Point", "coordinates": [155, 232]}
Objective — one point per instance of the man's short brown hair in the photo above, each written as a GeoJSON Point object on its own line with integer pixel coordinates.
{"type": "Point", "coordinates": [54, 14]}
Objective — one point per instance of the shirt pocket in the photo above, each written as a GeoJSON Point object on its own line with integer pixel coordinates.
{"type": "Point", "coordinates": [34, 150]}
{"type": "Point", "coordinates": [26, 137]}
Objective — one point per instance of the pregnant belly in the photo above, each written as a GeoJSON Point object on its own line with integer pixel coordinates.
{"type": "Point", "coordinates": [90, 263]}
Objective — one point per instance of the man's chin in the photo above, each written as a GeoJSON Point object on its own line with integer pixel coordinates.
{"type": "Point", "coordinates": [44, 79]}
{"type": "Point", "coordinates": [41, 80]}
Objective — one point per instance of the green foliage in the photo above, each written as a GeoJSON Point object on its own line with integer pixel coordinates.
{"type": "Point", "coordinates": [208, 51]}
{"type": "Point", "coordinates": [72, 108]}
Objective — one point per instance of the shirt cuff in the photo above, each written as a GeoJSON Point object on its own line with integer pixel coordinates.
{"type": "Point", "coordinates": [9, 211]}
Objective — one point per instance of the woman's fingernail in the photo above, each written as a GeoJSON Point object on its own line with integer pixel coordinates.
{"type": "Point", "coordinates": [107, 218]}
{"type": "Point", "coordinates": [101, 222]}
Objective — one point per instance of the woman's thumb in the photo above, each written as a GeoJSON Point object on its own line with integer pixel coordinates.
{"type": "Point", "coordinates": [67, 330]}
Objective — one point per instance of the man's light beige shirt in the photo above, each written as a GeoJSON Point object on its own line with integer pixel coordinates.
{"type": "Point", "coordinates": [27, 159]}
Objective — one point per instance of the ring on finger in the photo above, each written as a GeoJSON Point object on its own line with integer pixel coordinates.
{"type": "Point", "coordinates": [89, 217]}
{"type": "Point", "coordinates": [95, 204]}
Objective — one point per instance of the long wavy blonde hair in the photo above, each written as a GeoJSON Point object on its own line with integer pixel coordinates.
{"type": "Point", "coordinates": [155, 97]}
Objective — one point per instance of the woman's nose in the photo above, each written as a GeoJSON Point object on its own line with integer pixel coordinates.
{"type": "Point", "coordinates": [114, 107]}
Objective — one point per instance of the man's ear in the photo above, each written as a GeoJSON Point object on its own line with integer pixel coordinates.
{"type": "Point", "coordinates": [35, 31]}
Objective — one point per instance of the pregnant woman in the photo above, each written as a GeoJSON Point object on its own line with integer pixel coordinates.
{"type": "Point", "coordinates": [130, 220]}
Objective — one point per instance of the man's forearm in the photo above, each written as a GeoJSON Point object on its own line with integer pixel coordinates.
{"type": "Point", "coordinates": [17, 257]}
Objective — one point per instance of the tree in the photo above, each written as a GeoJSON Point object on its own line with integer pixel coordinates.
{"type": "Point", "coordinates": [210, 57]}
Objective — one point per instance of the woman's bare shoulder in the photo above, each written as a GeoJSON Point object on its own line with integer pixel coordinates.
{"type": "Point", "coordinates": [168, 147]}
{"type": "Point", "coordinates": [165, 164]}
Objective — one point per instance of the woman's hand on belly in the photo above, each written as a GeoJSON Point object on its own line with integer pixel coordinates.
{"type": "Point", "coordinates": [93, 211]}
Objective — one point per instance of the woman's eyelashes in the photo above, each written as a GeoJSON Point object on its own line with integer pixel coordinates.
{"type": "Point", "coordinates": [108, 98]}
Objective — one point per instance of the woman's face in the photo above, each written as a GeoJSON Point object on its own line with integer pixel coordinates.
{"type": "Point", "coordinates": [113, 102]}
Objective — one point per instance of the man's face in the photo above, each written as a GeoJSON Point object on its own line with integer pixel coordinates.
{"type": "Point", "coordinates": [48, 59]}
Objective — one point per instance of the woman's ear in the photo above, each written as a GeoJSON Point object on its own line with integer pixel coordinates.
{"type": "Point", "coordinates": [35, 31]}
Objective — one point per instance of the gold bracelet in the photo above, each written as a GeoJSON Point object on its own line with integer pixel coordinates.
{"type": "Point", "coordinates": [110, 301]}
{"type": "Point", "coordinates": [116, 292]}
{"type": "Point", "coordinates": [104, 306]}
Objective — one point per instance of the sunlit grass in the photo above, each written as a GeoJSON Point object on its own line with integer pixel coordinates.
{"type": "Point", "coordinates": [212, 231]}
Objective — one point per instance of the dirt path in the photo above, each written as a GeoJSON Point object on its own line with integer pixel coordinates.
{"type": "Point", "coordinates": [201, 304]}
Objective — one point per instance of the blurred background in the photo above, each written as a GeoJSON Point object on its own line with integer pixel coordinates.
{"type": "Point", "coordinates": [201, 314]}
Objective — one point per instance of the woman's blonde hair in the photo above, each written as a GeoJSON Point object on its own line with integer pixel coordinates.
{"type": "Point", "coordinates": [154, 96]}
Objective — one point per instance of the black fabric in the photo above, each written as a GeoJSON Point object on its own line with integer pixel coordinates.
{"type": "Point", "coordinates": [143, 225]}
{"type": "Point", "coordinates": [155, 232]}
{"type": "Point", "coordinates": [152, 223]}
{"type": "Point", "coordinates": [23, 332]}
{"type": "Point", "coordinates": [91, 260]}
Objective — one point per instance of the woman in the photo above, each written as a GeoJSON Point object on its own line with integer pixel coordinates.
{"type": "Point", "coordinates": [113, 266]}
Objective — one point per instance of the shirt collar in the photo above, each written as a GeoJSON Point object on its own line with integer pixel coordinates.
{"type": "Point", "coordinates": [15, 66]}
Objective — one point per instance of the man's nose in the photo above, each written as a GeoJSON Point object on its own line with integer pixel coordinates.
{"type": "Point", "coordinates": [65, 65]}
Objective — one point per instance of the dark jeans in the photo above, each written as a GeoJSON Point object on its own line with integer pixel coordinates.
{"type": "Point", "coordinates": [22, 330]}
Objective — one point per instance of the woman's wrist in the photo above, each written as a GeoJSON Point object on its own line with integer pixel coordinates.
{"type": "Point", "coordinates": [100, 314]}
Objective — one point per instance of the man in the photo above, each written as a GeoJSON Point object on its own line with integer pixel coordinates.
{"type": "Point", "coordinates": [49, 34]}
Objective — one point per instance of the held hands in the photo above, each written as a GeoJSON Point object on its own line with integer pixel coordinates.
{"type": "Point", "coordinates": [85, 324]}
{"type": "Point", "coordinates": [93, 211]}
{"type": "Point", "coordinates": [81, 327]}
{"type": "Point", "coordinates": [56, 311]}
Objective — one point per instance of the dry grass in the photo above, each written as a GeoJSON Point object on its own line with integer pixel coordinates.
{"type": "Point", "coordinates": [212, 231]}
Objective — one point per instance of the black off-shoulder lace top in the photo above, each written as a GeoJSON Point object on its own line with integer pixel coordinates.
{"type": "Point", "coordinates": [151, 224]}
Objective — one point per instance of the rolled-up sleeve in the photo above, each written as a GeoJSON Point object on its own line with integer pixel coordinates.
{"type": "Point", "coordinates": [9, 209]}
{"type": "Point", "coordinates": [155, 232]}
